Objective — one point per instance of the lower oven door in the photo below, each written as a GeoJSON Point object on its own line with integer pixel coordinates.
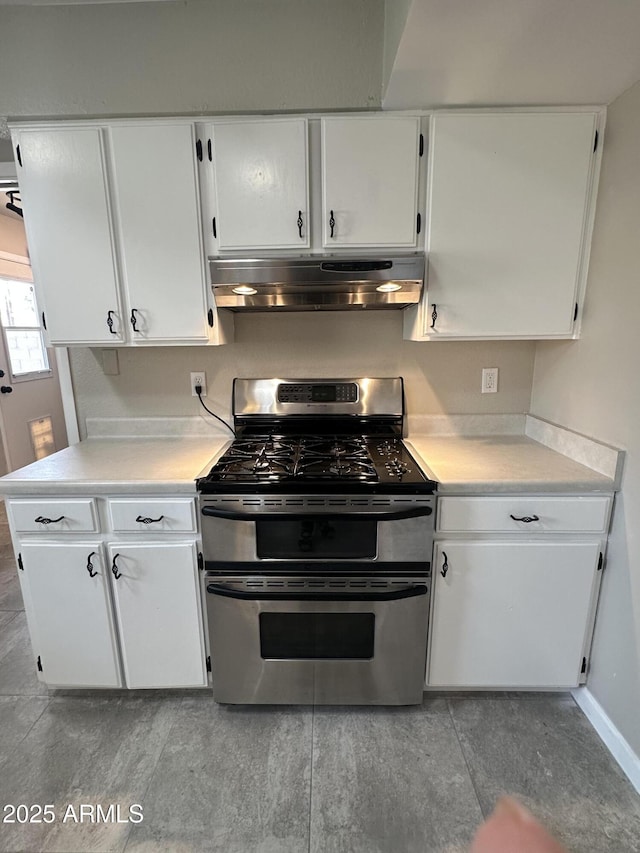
{"type": "Point", "coordinates": [290, 640]}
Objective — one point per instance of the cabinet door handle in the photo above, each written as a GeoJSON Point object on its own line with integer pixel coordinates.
{"type": "Point", "coordinates": [526, 518]}
{"type": "Point", "coordinates": [434, 316]}
{"type": "Point", "coordinates": [134, 319]}
{"type": "Point", "coordinates": [445, 565]}
{"type": "Point", "coordinates": [110, 322]}
{"type": "Point", "coordinates": [92, 574]}
{"type": "Point", "coordinates": [147, 520]}
{"type": "Point", "coordinates": [114, 568]}
{"type": "Point", "coordinates": [42, 520]}
{"type": "Point", "coordinates": [299, 223]}
{"type": "Point", "coordinates": [332, 222]}
{"type": "Point", "coordinates": [6, 389]}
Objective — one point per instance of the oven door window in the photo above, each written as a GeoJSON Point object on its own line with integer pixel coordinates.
{"type": "Point", "coordinates": [315, 636]}
{"type": "Point", "coordinates": [316, 538]}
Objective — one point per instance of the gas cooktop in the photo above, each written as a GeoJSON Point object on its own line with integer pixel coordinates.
{"type": "Point", "coordinates": [322, 436]}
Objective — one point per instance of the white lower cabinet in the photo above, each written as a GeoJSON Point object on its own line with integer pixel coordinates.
{"type": "Point", "coordinates": [512, 614]}
{"type": "Point", "coordinates": [157, 608]}
{"type": "Point", "coordinates": [112, 609]}
{"type": "Point", "coordinates": [70, 608]}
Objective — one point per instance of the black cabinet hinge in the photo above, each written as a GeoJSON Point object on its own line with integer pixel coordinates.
{"type": "Point", "coordinates": [210, 317]}
{"type": "Point", "coordinates": [44, 321]}
{"type": "Point", "coordinates": [595, 141]}
{"type": "Point", "coordinates": [208, 664]}
{"type": "Point", "coordinates": [583, 669]}
{"type": "Point", "coordinates": [39, 664]}
{"type": "Point", "coordinates": [209, 150]}
{"type": "Point", "coordinates": [213, 227]}
{"type": "Point", "coordinates": [421, 148]}
{"type": "Point", "coordinates": [600, 562]}
{"type": "Point", "coordinates": [418, 224]}
{"type": "Point", "coordinates": [575, 313]}
{"type": "Point", "coordinates": [200, 561]}
{"type": "Point", "coordinates": [20, 565]}
{"type": "Point", "coordinates": [18, 154]}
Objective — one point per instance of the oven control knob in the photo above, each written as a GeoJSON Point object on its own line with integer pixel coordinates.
{"type": "Point", "coordinates": [396, 468]}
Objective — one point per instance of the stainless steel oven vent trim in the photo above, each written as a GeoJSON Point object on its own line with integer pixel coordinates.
{"type": "Point", "coordinates": [313, 584]}
{"type": "Point", "coordinates": [317, 283]}
{"type": "Point", "coordinates": [317, 503]}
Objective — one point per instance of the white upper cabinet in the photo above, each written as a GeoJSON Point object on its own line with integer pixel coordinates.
{"type": "Point", "coordinates": [113, 220]}
{"type": "Point", "coordinates": [68, 220]}
{"type": "Point", "coordinates": [157, 207]}
{"type": "Point", "coordinates": [510, 201]}
{"type": "Point", "coordinates": [261, 184]}
{"type": "Point", "coordinates": [370, 181]}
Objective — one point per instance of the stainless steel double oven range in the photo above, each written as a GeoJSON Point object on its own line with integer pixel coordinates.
{"type": "Point", "coordinates": [317, 529]}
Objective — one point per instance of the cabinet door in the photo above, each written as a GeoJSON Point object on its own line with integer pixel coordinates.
{"type": "Point", "coordinates": [157, 206]}
{"type": "Point", "coordinates": [509, 199]}
{"type": "Point", "coordinates": [370, 181]}
{"type": "Point", "coordinates": [66, 206]}
{"type": "Point", "coordinates": [261, 180]}
{"type": "Point", "coordinates": [159, 615]}
{"type": "Point", "coordinates": [510, 614]}
{"type": "Point", "coordinates": [72, 614]}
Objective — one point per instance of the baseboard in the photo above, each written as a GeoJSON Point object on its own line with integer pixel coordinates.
{"type": "Point", "coordinates": [616, 744]}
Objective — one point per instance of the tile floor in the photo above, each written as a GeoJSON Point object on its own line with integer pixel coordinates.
{"type": "Point", "coordinates": [292, 779]}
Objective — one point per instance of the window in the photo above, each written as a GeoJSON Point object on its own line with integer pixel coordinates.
{"type": "Point", "coordinates": [22, 330]}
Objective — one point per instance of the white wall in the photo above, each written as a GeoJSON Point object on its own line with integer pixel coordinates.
{"type": "Point", "coordinates": [195, 56]}
{"type": "Point", "coordinates": [440, 377]}
{"type": "Point", "coordinates": [593, 386]}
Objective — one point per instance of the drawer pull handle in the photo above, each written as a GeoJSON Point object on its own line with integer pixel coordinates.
{"type": "Point", "coordinates": [445, 565]}
{"type": "Point", "coordinates": [92, 574]}
{"type": "Point", "coordinates": [147, 520]}
{"type": "Point", "coordinates": [114, 568]}
{"type": "Point", "coordinates": [526, 518]}
{"type": "Point", "coordinates": [434, 316]}
{"type": "Point", "coordinates": [42, 520]}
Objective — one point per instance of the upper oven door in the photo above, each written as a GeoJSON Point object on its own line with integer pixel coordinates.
{"type": "Point", "coordinates": [399, 532]}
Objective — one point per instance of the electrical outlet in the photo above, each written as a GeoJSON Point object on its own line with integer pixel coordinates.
{"type": "Point", "coordinates": [199, 378]}
{"type": "Point", "coordinates": [489, 380]}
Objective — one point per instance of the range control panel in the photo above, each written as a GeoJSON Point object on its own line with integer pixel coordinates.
{"type": "Point", "coordinates": [336, 392]}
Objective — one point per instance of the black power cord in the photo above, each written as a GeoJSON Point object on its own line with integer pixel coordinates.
{"type": "Point", "coordinates": [198, 390]}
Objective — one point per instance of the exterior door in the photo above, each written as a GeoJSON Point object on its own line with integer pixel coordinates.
{"type": "Point", "coordinates": [31, 414]}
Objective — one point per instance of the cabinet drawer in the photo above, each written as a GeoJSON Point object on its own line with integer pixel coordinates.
{"type": "Point", "coordinates": [152, 516]}
{"type": "Point", "coordinates": [54, 516]}
{"type": "Point", "coordinates": [524, 514]}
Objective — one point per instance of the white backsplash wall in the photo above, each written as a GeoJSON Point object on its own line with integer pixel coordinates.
{"type": "Point", "coordinates": [439, 377]}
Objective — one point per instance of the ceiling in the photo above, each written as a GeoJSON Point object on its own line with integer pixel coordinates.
{"type": "Point", "coordinates": [514, 52]}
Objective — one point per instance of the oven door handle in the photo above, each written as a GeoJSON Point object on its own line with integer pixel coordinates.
{"type": "Point", "coordinates": [394, 595]}
{"type": "Point", "coordinates": [234, 515]}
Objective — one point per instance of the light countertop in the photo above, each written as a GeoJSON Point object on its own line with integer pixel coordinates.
{"type": "Point", "coordinates": [100, 466]}
{"type": "Point", "coordinates": [484, 464]}
{"type": "Point", "coordinates": [462, 462]}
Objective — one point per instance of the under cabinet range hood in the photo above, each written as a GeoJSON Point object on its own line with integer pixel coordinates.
{"type": "Point", "coordinates": [317, 282]}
